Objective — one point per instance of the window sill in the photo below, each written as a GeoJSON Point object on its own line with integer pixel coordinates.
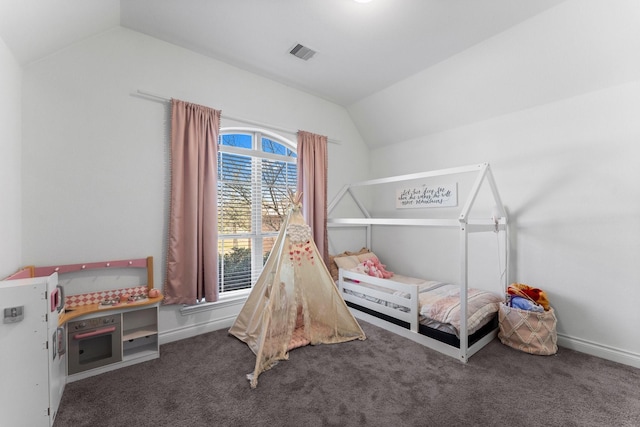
{"type": "Point", "coordinates": [225, 301]}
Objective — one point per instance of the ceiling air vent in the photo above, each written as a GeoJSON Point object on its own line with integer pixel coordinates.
{"type": "Point", "coordinates": [302, 52]}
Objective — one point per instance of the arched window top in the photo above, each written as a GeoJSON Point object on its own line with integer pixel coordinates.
{"type": "Point", "coordinates": [257, 139]}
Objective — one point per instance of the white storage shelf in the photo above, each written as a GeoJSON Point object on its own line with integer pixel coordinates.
{"type": "Point", "coordinates": [139, 333]}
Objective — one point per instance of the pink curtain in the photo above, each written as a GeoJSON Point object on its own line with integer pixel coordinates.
{"type": "Point", "coordinates": [312, 182]}
{"type": "Point", "coordinates": [192, 253]}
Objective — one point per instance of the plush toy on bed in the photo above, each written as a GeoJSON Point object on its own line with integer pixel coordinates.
{"type": "Point", "coordinates": [373, 267]}
{"type": "Point", "coordinates": [537, 295]}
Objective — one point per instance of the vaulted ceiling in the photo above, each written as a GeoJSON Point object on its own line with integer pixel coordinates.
{"type": "Point", "coordinates": [361, 48]}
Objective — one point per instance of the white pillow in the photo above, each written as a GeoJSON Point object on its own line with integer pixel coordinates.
{"type": "Point", "coordinates": [347, 262]}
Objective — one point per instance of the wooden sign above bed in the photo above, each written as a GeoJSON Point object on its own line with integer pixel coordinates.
{"type": "Point", "coordinates": [426, 196]}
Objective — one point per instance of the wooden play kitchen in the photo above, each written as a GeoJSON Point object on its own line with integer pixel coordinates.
{"type": "Point", "coordinates": [106, 329]}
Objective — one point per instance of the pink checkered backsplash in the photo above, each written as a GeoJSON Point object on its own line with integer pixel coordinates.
{"type": "Point", "coordinates": [97, 297]}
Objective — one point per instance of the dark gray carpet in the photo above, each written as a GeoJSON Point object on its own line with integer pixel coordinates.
{"type": "Point", "coordinates": [384, 381]}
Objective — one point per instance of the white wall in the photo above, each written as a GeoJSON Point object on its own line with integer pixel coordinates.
{"type": "Point", "coordinates": [10, 163]}
{"type": "Point", "coordinates": [96, 158]}
{"type": "Point", "coordinates": [567, 169]}
{"type": "Point", "coordinates": [573, 48]}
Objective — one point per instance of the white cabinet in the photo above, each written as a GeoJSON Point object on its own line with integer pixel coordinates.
{"type": "Point", "coordinates": [32, 361]}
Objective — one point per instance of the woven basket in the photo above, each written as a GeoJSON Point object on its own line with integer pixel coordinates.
{"type": "Point", "coordinates": [528, 331]}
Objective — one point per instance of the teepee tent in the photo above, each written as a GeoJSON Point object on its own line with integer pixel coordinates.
{"type": "Point", "coordinates": [294, 301]}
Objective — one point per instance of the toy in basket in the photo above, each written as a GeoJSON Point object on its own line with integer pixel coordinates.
{"type": "Point", "coordinates": [527, 321]}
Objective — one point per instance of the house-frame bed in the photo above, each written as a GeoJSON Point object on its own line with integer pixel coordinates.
{"type": "Point", "coordinates": [376, 300]}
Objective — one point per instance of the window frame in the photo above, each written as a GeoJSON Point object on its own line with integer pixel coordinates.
{"type": "Point", "coordinates": [257, 235]}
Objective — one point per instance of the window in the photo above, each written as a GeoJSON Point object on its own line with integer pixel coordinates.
{"type": "Point", "coordinates": [256, 169]}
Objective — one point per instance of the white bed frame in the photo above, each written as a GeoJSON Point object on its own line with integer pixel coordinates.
{"type": "Point", "coordinates": [465, 222]}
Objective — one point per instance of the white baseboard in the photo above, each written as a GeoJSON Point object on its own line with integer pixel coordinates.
{"type": "Point", "coordinates": [599, 350]}
{"type": "Point", "coordinates": [196, 329]}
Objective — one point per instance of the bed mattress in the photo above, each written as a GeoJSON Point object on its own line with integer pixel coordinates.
{"type": "Point", "coordinates": [439, 304]}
